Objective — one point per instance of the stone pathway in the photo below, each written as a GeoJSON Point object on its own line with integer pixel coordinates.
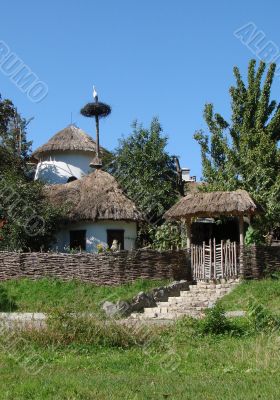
{"type": "Point", "coordinates": [22, 320]}
{"type": "Point", "coordinates": [192, 302]}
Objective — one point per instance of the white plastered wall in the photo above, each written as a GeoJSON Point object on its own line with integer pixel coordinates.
{"type": "Point", "coordinates": [57, 167]}
{"type": "Point", "coordinates": [96, 233]}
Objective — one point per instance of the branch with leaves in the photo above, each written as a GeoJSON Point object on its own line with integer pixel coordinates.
{"type": "Point", "coordinates": [244, 152]}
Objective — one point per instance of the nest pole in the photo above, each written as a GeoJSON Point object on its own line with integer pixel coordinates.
{"type": "Point", "coordinates": [97, 136]}
{"type": "Point", "coordinates": [97, 110]}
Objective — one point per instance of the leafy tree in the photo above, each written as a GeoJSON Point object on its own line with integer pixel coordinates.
{"type": "Point", "coordinates": [169, 236]}
{"type": "Point", "coordinates": [13, 137]}
{"type": "Point", "coordinates": [27, 220]}
{"type": "Point", "coordinates": [30, 221]}
{"type": "Point", "coordinates": [244, 152]}
{"type": "Point", "coordinates": [146, 171]}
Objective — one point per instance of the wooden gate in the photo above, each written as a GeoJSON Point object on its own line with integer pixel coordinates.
{"type": "Point", "coordinates": [214, 261]}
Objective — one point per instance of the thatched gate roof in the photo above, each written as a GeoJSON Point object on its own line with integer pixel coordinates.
{"type": "Point", "coordinates": [213, 204]}
{"type": "Point", "coordinates": [97, 196]}
{"type": "Point", "coordinates": [68, 139]}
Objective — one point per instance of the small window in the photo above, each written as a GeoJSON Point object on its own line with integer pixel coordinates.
{"type": "Point", "coordinates": [115, 234]}
{"type": "Point", "coordinates": [78, 240]}
{"type": "Point", "coordinates": [71, 179]}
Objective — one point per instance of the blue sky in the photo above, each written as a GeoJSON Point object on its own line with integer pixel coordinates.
{"type": "Point", "coordinates": [147, 58]}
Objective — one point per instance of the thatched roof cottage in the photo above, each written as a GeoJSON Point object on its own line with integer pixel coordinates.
{"type": "Point", "coordinates": [66, 156]}
{"type": "Point", "coordinates": [97, 209]}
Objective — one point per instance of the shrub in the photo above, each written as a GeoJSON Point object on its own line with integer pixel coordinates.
{"type": "Point", "coordinates": [261, 318]}
{"type": "Point", "coordinates": [253, 236]}
{"type": "Point", "coordinates": [215, 321]}
{"type": "Point", "coordinates": [169, 236]}
{"type": "Point", "coordinates": [7, 302]}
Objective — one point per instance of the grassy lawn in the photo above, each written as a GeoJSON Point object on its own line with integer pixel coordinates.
{"type": "Point", "coordinates": [204, 368]}
{"type": "Point", "coordinates": [44, 295]}
{"type": "Point", "coordinates": [265, 292]}
{"type": "Point", "coordinates": [175, 362]}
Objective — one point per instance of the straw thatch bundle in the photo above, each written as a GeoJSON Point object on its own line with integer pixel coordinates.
{"type": "Point", "coordinates": [97, 196]}
{"type": "Point", "coordinates": [213, 204]}
{"type": "Point", "coordinates": [68, 139]}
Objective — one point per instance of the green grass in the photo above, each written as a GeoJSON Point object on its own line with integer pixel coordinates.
{"type": "Point", "coordinates": [173, 363]}
{"type": "Point", "coordinates": [265, 292]}
{"type": "Point", "coordinates": [220, 368]}
{"type": "Point", "coordinates": [45, 295]}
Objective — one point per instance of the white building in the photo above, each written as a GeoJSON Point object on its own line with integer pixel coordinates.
{"type": "Point", "coordinates": [66, 156]}
{"type": "Point", "coordinates": [97, 210]}
{"type": "Point", "coordinates": [186, 176]}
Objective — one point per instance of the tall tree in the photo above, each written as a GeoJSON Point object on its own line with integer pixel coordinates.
{"type": "Point", "coordinates": [146, 171]}
{"type": "Point", "coordinates": [30, 221]}
{"type": "Point", "coordinates": [244, 152]}
{"type": "Point", "coordinates": [13, 136]}
{"type": "Point", "coordinates": [27, 220]}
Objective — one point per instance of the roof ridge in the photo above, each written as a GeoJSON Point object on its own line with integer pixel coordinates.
{"type": "Point", "coordinates": [97, 196]}
{"type": "Point", "coordinates": [70, 138]}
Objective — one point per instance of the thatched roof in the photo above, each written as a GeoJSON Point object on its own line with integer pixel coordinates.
{"type": "Point", "coordinates": [194, 186]}
{"type": "Point", "coordinates": [213, 204]}
{"type": "Point", "coordinates": [68, 139]}
{"type": "Point", "coordinates": [97, 196]}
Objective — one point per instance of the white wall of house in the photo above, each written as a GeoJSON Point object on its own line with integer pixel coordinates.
{"type": "Point", "coordinates": [186, 174]}
{"type": "Point", "coordinates": [57, 167]}
{"type": "Point", "coordinates": [186, 177]}
{"type": "Point", "coordinates": [96, 233]}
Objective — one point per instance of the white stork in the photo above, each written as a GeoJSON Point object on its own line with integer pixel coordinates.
{"type": "Point", "coordinates": [95, 95]}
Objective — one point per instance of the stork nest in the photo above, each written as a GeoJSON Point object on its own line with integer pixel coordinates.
{"type": "Point", "coordinates": [100, 110]}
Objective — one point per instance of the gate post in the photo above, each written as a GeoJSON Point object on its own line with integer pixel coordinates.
{"type": "Point", "coordinates": [188, 231]}
{"type": "Point", "coordinates": [214, 258]}
{"type": "Point", "coordinates": [222, 258]}
{"type": "Point", "coordinates": [241, 230]}
{"type": "Point", "coordinates": [211, 257]}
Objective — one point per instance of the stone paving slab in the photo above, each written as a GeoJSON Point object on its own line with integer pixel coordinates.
{"type": "Point", "coordinates": [38, 320]}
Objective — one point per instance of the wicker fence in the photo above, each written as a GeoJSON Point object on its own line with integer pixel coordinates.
{"type": "Point", "coordinates": [101, 269]}
{"type": "Point", "coordinates": [126, 266]}
{"type": "Point", "coordinates": [228, 260]}
{"type": "Point", "coordinates": [260, 261]}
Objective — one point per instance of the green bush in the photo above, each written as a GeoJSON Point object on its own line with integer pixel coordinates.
{"type": "Point", "coordinates": [169, 236]}
{"type": "Point", "coordinates": [215, 322]}
{"type": "Point", "coordinates": [253, 236]}
{"type": "Point", "coordinates": [7, 302]}
{"type": "Point", "coordinates": [261, 318]}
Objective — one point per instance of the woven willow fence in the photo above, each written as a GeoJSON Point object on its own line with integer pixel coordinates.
{"type": "Point", "coordinates": [259, 261]}
{"type": "Point", "coordinates": [126, 266]}
{"type": "Point", "coordinates": [101, 269]}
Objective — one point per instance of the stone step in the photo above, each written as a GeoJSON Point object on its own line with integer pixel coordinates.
{"type": "Point", "coordinates": [171, 310]}
{"type": "Point", "coordinates": [192, 302]}
{"type": "Point", "coordinates": [150, 309]}
{"type": "Point", "coordinates": [163, 303]}
{"type": "Point", "coordinates": [188, 299]}
{"type": "Point", "coordinates": [172, 315]}
{"type": "Point", "coordinates": [202, 295]}
{"type": "Point", "coordinates": [188, 302]}
{"type": "Point", "coordinates": [185, 310]}
{"type": "Point", "coordinates": [204, 291]}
